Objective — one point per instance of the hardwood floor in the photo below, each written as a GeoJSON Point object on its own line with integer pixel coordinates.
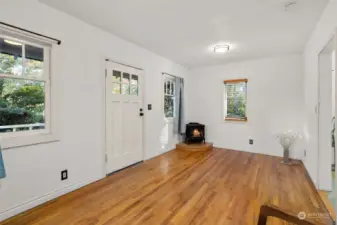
{"type": "Point", "coordinates": [206, 188]}
{"type": "Point", "coordinates": [327, 203]}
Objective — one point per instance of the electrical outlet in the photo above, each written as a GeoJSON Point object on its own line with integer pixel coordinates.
{"type": "Point", "coordinates": [64, 175]}
{"type": "Point", "coordinates": [251, 141]}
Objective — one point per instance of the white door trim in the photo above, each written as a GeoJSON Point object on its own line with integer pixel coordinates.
{"type": "Point", "coordinates": [318, 109]}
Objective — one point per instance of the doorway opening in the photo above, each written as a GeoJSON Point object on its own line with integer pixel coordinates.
{"type": "Point", "coordinates": [173, 112]}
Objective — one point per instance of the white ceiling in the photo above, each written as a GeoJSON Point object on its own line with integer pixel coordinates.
{"type": "Point", "coordinates": [183, 30]}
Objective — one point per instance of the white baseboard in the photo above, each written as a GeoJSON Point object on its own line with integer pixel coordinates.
{"type": "Point", "coordinates": [325, 189]}
{"type": "Point", "coordinates": [43, 199]}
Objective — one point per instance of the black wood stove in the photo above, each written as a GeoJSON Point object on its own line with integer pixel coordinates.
{"type": "Point", "coordinates": [195, 133]}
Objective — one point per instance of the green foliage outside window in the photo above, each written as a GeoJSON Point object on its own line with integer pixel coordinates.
{"type": "Point", "coordinates": [169, 106]}
{"type": "Point", "coordinates": [21, 101]}
{"type": "Point", "coordinates": [236, 108]}
{"type": "Point", "coordinates": [236, 100]}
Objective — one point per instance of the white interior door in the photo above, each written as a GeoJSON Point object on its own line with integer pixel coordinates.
{"type": "Point", "coordinates": [124, 124]}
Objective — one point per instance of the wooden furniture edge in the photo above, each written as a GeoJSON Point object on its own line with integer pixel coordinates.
{"type": "Point", "coordinates": [270, 210]}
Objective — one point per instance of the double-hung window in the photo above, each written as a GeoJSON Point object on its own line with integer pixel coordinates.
{"type": "Point", "coordinates": [169, 96]}
{"type": "Point", "coordinates": [24, 86]}
{"type": "Point", "coordinates": [235, 100]}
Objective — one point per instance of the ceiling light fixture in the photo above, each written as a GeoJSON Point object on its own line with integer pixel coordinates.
{"type": "Point", "coordinates": [221, 48]}
{"type": "Point", "coordinates": [289, 5]}
{"type": "Point", "coordinates": [12, 42]}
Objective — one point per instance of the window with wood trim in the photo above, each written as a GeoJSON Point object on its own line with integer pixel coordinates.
{"type": "Point", "coordinates": [235, 99]}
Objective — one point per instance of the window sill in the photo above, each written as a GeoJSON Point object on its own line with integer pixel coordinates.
{"type": "Point", "coordinates": [18, 141]}
{"type": "Point", "coordinates": [236, 119]}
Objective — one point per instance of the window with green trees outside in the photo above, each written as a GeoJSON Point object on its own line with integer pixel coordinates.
{"type": "Point", "coordinates": [235, 100]}
{"type": "Point", "coordinates": [24, 80]}
{"type": "Point", "coordinates": [169, 97]}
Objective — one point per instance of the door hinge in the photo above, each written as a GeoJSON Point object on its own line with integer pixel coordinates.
{"type": "Point", "coordinates": [317, 109]}
{"type": "Point", "coordinates": [106, 157]}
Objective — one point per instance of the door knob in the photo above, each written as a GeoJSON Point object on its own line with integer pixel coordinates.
{"type": "Point", "coordinates": [141, 114]}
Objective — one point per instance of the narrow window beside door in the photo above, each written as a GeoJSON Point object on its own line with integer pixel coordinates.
{"type": "Point", "coordinates": [169, 97]}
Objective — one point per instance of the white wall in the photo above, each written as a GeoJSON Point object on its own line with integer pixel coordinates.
{"type": "Point", "coordinates": [78, 103]}
{"type": "Point", "coordinates": [274, 103]}
{"type": "Point", "coordinates": [320, 37]}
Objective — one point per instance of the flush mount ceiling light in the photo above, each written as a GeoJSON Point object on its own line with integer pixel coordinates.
{"type": "Point", "coordinates": [221, 48]}
{"type": "Point", "coordinates": [289, 5]}
{"type": "Point", "coordinates": [12, 42]}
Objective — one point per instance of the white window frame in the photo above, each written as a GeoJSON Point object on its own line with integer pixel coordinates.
{"type": "Point", "coordinates": [224, 114]}
{"type": "Point", "coordinates": [170, 79]}
{"type": "Point", "coordinates": [32, 137]}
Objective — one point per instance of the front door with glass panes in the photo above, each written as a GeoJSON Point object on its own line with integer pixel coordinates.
{"type": "Point", "coordinates": [123, 116]}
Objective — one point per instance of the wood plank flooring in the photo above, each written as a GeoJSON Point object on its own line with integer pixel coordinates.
{"type": "Point", "coordinates": [327, 203]}
{"type": "Point", "coordinates": [203, 188]}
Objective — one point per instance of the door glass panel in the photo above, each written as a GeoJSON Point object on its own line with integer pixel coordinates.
{"type": "Point", "coordinates": [172, 88]}
{"type": "Point", "coordinates": [116, 76]}
{"type": "Point", "coordinates": [126, 84]}
{"type": "Point", "coordinates": [168, 87]}
{"type": "Point", "coordinates": [134, 85]}
{"type": "Point", "coordinates": [165, 87]}
{"type": "Point", "coordinates": [169, 106]}
{"type": "Point", "coordinates": [116, 88]}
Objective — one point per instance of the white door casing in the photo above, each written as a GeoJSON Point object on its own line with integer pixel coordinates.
{"type": "Point", "coordinates": [325, 113]}
{"type": "Point", "coordinates": [334, 113]}
{"type": "Point", "coordinates": [124, 125]}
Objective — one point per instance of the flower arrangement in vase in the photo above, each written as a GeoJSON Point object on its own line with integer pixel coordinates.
{"type": "Point", "coordinates": [287, 139]}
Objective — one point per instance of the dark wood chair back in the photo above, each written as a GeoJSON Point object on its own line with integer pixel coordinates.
{"type": "Point", "coordinates": [273, 211]}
